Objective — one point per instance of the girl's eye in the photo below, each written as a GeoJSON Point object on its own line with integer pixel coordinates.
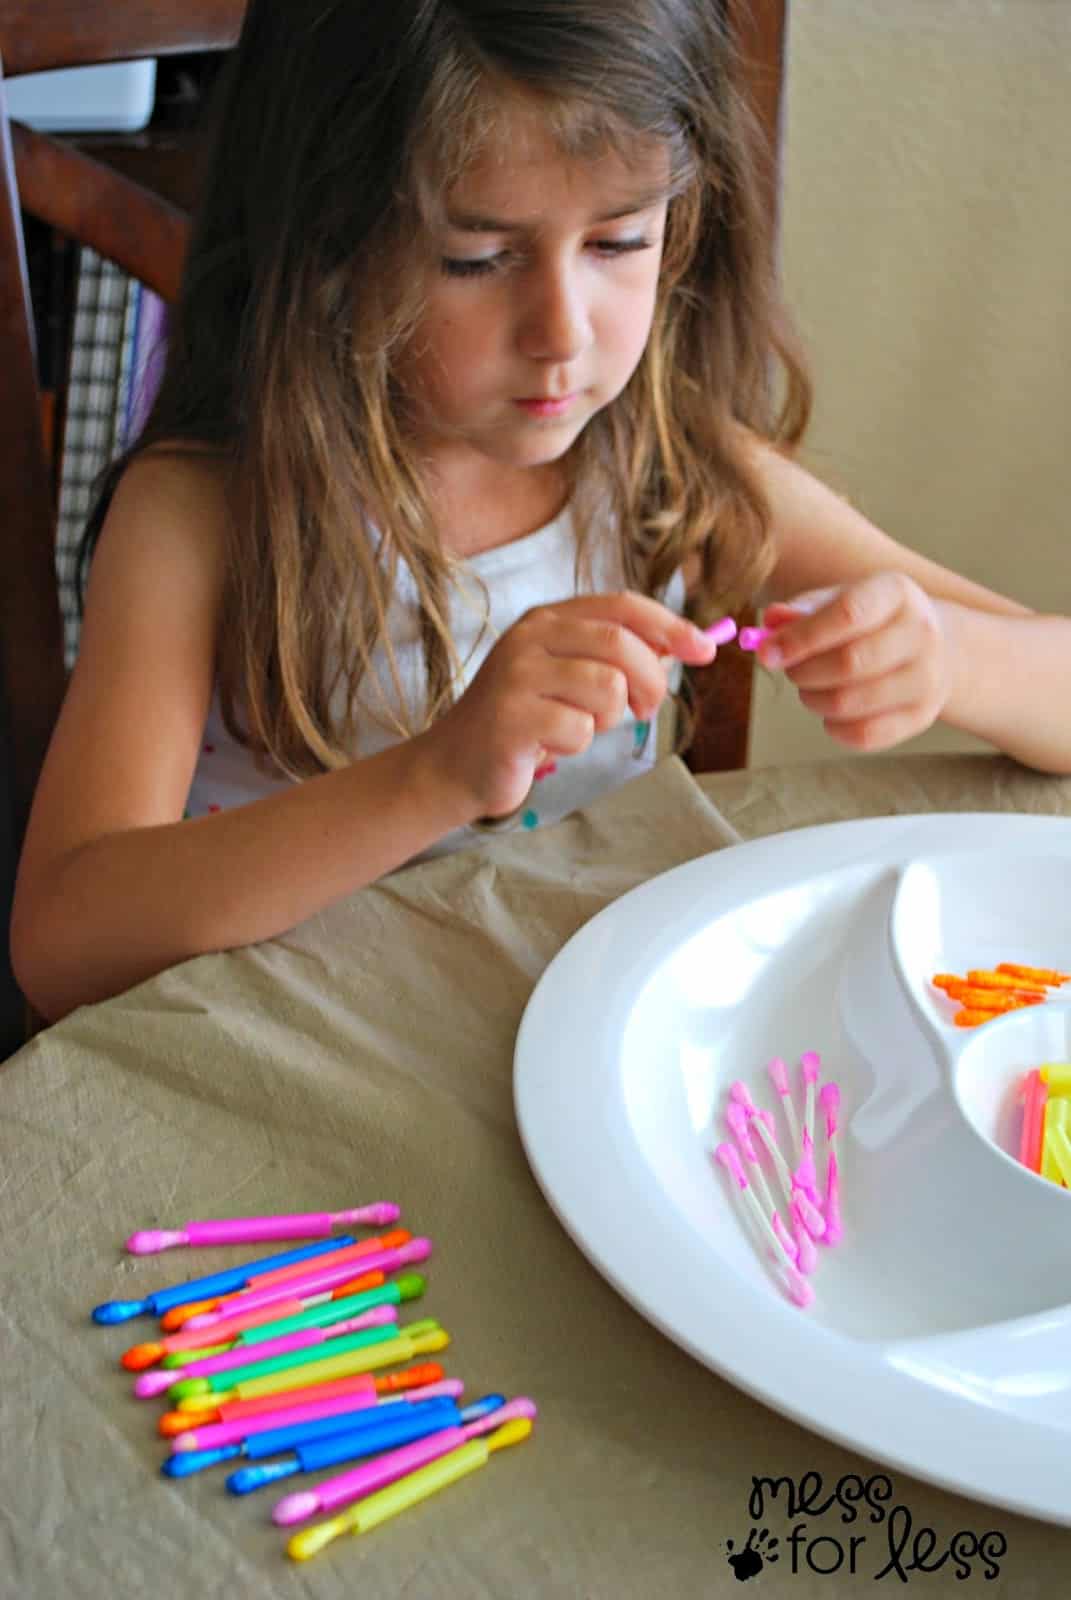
{"type": "Point", "coordinates": [473, 267]}
{"type": "Point", "coordinates": [620, 247]}
{"type": "Point", "coordinates": [478, 266]}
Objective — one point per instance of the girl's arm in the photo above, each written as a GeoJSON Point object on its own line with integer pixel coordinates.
{"type": "Point", "coordinates": [890, 642]}
{"type": "Point", "coordinates": [113, 886]}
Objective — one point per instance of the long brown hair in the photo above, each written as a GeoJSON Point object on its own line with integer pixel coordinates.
{"type": "Point", "coordinates": [338, 129]}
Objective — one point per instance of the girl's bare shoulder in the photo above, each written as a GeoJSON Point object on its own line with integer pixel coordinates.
{"type": "Point", "coordinates": [180, 476]}
{"type": "Point", "coordinates": [172, 503]}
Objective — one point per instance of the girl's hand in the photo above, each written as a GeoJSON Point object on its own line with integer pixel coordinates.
{"type": "Point", "coordinates": [872, 658]}
{"type": "Point", "coordinates": [560, 675]}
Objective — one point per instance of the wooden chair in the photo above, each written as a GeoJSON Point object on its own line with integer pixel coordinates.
{"type": "Point", "coordinates": [129, 202]}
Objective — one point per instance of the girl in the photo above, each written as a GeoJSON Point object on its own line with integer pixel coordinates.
{"type": "Point", "coordinates": [470, 391]}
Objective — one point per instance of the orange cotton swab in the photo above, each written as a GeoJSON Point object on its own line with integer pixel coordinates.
{"type": "Point", "coordinates": [1035, 1093]}
{"type": "Point", "coordinates": [1043, 975]}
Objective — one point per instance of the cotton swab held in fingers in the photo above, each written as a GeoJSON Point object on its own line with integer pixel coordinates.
{"type": "Point", "coordinates": [721, 632]}
{"type": "Point", "coordinates": [798, 1288]}
{"type": "Point", "coordinates": [829, 1100]}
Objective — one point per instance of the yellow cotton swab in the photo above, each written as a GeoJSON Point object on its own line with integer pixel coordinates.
{"type": "Point", "coordinates": [376, 1508]}
{"type": "Point", "coordinates": [1055, 1145]}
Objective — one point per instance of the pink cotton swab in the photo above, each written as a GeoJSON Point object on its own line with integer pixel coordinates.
{"type": "Point", "coordinates": [798, 1288]}
{"type": "Point", "coordinates": [810, 1066]}
{"type": "Point", "coordinates": [254, 1230]}
{"type": "Point", "coordinates": [353, 1485]}
{"type": "Point", "coordinates": [762, 1123]}
{"type": "Point", "coordinates": [829, 1100]}
{"type": "Point", "coordinates": [806, 1254]}
{"type": "Point", "coordinates": [779, 1078]}
{"type": "Point", "coordinates": [737, 1118]}
{"type": "Point", "coordinates": [157, 1382]}
{"type": "Point", "coordinates": [721, 632]}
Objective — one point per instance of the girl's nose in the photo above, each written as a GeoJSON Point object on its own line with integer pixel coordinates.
{"type": "Point", "coordinates": [554, 322]}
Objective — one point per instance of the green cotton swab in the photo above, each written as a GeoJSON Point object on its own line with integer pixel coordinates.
{"type": "Point", "coordinates": [217, 1382]}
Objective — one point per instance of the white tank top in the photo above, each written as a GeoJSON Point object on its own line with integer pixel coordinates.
{"type": "Point", "coordinates": [491, 591]}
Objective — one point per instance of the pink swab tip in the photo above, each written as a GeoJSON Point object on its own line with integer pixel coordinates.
{"type": "Point", "coordinates": [151, 1240]}
{"type": "Point", "coordinates": [799, 1289]}
{"type": "Point", "coordinates": [726, 1154]}
{"type": "Point", "coordinates": [807, 1255]}
{"type": "Point", "coordinates": [737, 1118]}
{"type": "Point", "coordinates": [154, 1383]}
{"type": "Point", "coordinates": [809, 1214]}
{"type": "Point", "coordinates": [739, 1092]}
{"type": "Point", "coordinates": [778, 1075]}
{"type": "Point", "coordinates": [510, 1412]}
{"type": "Point", "coordinates": [751, 638]}
{"type": "Point", "coordinates": [785, 1239]}
{"type": "Point", "coordinates": [295, 1508]}
{"type": "Point", "coordinates": [722, 631]}
{"type": "Point", "coordinates": [811, 1066]}
{"type": "Point", "coordinates": [829, 1096]}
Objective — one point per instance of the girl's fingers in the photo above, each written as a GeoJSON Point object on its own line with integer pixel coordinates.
{"type": "Point", "coordinates": [562, 730]}
{"type": "Point", "coordinates": [860, 660]}
{"type": "Point", "coordinates": [661, 630]}
{"type": "Point", "coordinates": [618, 663]}
{"type": "Point", "coordinates": [904, 689]}
{"type": "Point", "coordinates": [599, 689]}
{"type": "Point", "coordinates": [877, 732]}
{"type": "Point", "coordinates": [840, 616]}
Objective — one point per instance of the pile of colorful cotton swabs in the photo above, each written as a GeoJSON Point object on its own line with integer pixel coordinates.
{"type": "Point", "coordinates": [271, 1364]}
{"type": "Point", "coordinates": [1045, 1137]}
{"type": "Point", "coordinates": [813, 1215]}
{"type": "Point", "coordinates": [988, 992]}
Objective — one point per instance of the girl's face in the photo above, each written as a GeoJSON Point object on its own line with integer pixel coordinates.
{"type": "Point", "coordinates": [542, 302]}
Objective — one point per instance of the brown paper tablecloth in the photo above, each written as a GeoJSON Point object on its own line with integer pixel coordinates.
{"type": "Point", "coordinates": [369, 1055]}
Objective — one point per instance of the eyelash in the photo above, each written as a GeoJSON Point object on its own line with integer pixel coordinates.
{"type": "Point", "coordinates": [480, 266]}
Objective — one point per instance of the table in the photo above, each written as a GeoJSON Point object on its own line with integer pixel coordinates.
{"type": "Point", "coordinates": [368, 1054]}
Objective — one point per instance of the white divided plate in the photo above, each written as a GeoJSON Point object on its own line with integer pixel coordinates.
{"type": "Point", "coordinates": [939, 1340]}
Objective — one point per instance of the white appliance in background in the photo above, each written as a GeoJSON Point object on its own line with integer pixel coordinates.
{"type": "Point", "coordinates": [114, 98]}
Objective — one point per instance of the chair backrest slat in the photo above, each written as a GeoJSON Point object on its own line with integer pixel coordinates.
{"type": "Point", "coordinates": [30, 631]}
{"type": "Point", "coordinates": [42, 35]}
{"type": "Point", "coordinates": [119, 219]}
